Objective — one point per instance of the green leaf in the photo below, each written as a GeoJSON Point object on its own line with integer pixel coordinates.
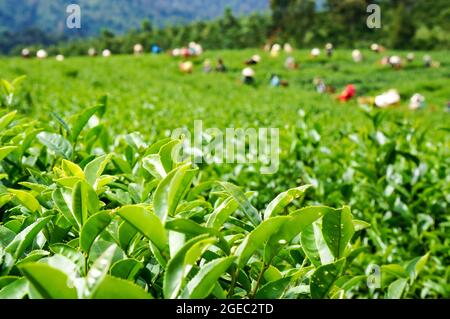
{"type": "Point", "coordinates": [180, 265]}
{"type": "Point", "coordinates": [415, 266]}
{"type": "Point", "coordinates": [4, 151]}
{"type": "Point", "coordinates": [115, 288]}
{"type": "Point", "coordinates": [222, 212]}
{"type": "Point", "coordinates": [98, 272]}
{"type": "Point", "coordinates": [250, 211]}
{"type": "Point", "coordinates": [7, 87]}
{"type": "Point", "coordinates": [6, 236]}
{"type": "Point", "coordinates": [26, 237]}
{"type": "Point", "coordinates": [26, 199]}
{"type": "Point", "coordinates": [84, 202]}
{"type": "Point", "coordinates": [146, 223]}
{"type": "Point", "coordinates": [50, 282]}
{"type": "Point", "coordinates": [338, 229]}
{"type": "Point", "coordinates": [203, 282]}
{"type": "Point", "coordinates": [274, 289]}
{"type": "Point", "coordinates": [360, 224]}
{"type": "Point", "coordinates": [314, 245]}
{"type": "Point", "coordinates": [95, 168]}
{"type": "Point", "coordinates": [74, 255]}
{"type": "Point", "coordinates": [72, 169]}
{"type": "Point", "coordinates": [92, 229]}
{"type": "Point", "coordinates": [126, 234]}
{"type": "Point", "coordinates": [126, 268]}
{"type": "Point", "coordinates": [394, 270]}
{"type": "Point", "coordinates": [61, 121]}
{"type": "Point", "coordinates": [152, 163]}
{"type": "Point", "coordinates": [171, 190]}
{"type": "Point", "coordinates": [258, 237]}
{"type": "Point", "coordinates": [324, 278]}
{"type": "Point", "coordinates": [166, 154]}
{"type": "Point", "coordinates": [81, 120]}
{"type": "Point", "coordinates": [18, 289]}
{"type": "Point", "coordinates": [57, 143]}
{"type": "Point", "coordinates": [284, 199]}
{"type": "Point", "coordinates": [189, 227]}
{"type": "Point", "coordinates": [63, 207]}
{"type": "Point", "coordinates": [18, 80]}
{"type": "Point", "coordinates": [396, 289]}
{"type": "Point", "coordinates": [6, 119]}
{"type": "Point", "coordinates": [296, 223]}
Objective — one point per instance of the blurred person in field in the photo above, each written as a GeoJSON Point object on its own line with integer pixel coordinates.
{"type": "Point", "coordinates": [186, 67]}
{"type": "Point", "coordinates": [25, 53]}
{"type": "Point", "coordinates": [315, 52]}
{"type": "Point", "coordinates": [357, 56]}
{"type": "Point", "coordinates": [156, 49]}
{"type": "Point", "coordinates": [417, 101]}
{"type": "Point", "coordinates": [92, 52]}
{"type": "Point", "coordinates": [427, 60]}
{"type": "Point", "coordinates": [429, 63]}
{"type": "Point", "coordinates": [248, 75]}
{"type": "Point", "coordinates": [207, 67]}
{"type": "Point", "coordinates": [106, 53]}
{"type": "Point", "coordinates": [255, 59]}
{"type": "Point", "coordinates": [387, 99]}
{"type": "Point", "coordinates": [288, 48]}
{"type": "Point", "coordinates": [276, 80]}
{"type": "Point", "coordinates": [220, 67]}
{"type": "Point", "coordinates": [396, 62]}
{"type": "Point", "coordinates": [290, 63]}
{"type": "Point", "coordinates": [138, 49]}
{"type": "Point", "coordinates": [410, 57]}
{"type": "Point", "coordinates": [348, 93]}
{"type": "Point", "coordinates": [41, 54]}
{"type": "Point", "coordinates": [329, 48]}
{"type": "Point", "coordinates": [275, 50]}
{"type": "Point", "coordinates": [322, 87]}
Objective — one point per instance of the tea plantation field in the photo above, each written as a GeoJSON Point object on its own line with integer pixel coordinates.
{"type": "Point", "coordinates": [93, 205]}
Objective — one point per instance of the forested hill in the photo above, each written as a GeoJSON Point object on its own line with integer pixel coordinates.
{"type": "Point", "coordinates": [116, 15]}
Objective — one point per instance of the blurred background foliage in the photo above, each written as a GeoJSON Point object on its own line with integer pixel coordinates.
{"type": "Point", "coordinates": [220, 24]}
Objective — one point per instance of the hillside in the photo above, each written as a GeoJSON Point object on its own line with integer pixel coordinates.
{"type": "Point", "coordinates": [117, 15]}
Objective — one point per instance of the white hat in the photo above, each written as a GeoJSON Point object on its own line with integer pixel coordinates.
{"type": "Point", "coordinates": [388, 98]}
{"type": "Point", "coordinates": [41, 54]}
{"type": "Point", "coordinates": [417, 101]}
{"type": "Point", "coordinates": [138, 48]}
{"type": "Point", "coordinates": [357, 55]}
{"type": "Point", "coordinates": [92, 52]}
{"type": "Point", "coordinates": [25, 52]}
{"type": "Point", "coordinates": [395, 59]}
{"type": "Point", "coordinates": [315, 52]}
{"type": "Point", "coordinates": [288, 48]}
{"type": "Point", "coordinates": [276, 47]}
{"type": "Point", "coordinates": [374, 47]}
{"type": "Point", "coordinates": [248, 72]}
{"type": "Point", "coordinates": [256, 58]}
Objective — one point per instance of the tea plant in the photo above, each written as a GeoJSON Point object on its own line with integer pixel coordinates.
{"type": "Point", "coordinates": [132, 223]}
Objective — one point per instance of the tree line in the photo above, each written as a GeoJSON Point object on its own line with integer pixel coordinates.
{"type": "Point", "coordinates": [405, 24]}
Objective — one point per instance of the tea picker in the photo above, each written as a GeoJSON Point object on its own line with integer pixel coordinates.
{"type": "Point", "coordinates": [248, 75]}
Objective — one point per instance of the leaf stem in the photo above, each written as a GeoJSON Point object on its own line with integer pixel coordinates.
{"type": "Point", "coordinates": [233, 283]}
